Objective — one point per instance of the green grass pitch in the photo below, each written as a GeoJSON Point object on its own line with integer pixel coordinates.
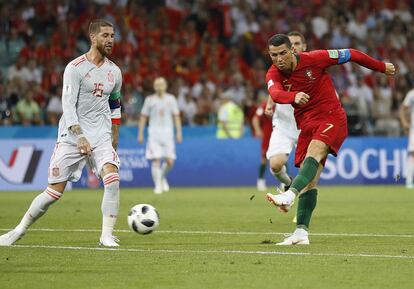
{"type": "Point", "coordinates": [361, 237]}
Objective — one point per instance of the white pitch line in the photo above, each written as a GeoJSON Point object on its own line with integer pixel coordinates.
{"type": "Point", "coordinates": [227, 233]}
{"type": "Point", "coordinates": [216, 252]}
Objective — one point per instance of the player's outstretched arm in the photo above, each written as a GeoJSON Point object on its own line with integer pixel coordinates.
{"type": "Point", "coordinates": [354, 55]}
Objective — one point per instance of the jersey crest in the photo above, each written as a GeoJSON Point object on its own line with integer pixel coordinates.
{"type": "Point", "coordinates": [110, 77]}
{"type": "Point", "coordinates": [309, 74]}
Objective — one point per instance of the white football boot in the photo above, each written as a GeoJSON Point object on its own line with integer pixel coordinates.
{"type": "Point", "coordinates": [10, 238]}
{"type": "Point", "coordinates": [109, 241]}
{"type": "Point", "coordinates": [299, 237]}
{"type": "Point", "coordinates": [165, 186]}
{"type": "Point", "coordinates": [283, 200]}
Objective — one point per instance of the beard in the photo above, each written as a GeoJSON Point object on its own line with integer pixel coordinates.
{"type": "Point", "coordinates": [105, 51]}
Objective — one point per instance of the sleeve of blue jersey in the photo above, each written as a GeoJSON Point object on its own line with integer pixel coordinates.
{"type": "Point", "coordinates": [344, 55]}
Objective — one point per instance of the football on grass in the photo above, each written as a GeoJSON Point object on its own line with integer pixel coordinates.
{"type": "Point", "coordinates": [143, 219]}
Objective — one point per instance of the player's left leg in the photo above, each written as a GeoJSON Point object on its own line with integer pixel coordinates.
{"type": "Point", "coordinates": [105, 162]}
{"type": "Point", "coordinates": [165, 168]}
{"type": "Point", "coordinates": [306, 205]}
{"type": "Point", "coordinates": [110, 204]}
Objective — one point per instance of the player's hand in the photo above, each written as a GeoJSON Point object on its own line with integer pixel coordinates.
{"type": "Point", "coordinates": [179, 138]}
{"type": "Point", "coordinates": [301, 98]}
{"type": "Point", "coordinates": [268, 110]}
{"type": "Point", "coordinates": [84, 146]}
{"type": "Point", "coordinates": [389, 68]}
{"type": "Point", "coordinates": [140, 139]}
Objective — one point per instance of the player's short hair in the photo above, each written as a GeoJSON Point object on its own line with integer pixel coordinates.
{"type": "Point", "coordinates": [95, 25]}
{"type": "Point", "coordinates": [297, 33]}
{"type": "Point", "coordinates": [279, 39]}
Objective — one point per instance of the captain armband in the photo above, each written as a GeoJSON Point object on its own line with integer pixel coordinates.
{"type": "Point", "coordinates": [343, 55]}
{"type": "Point", "coordinates": [115, 106]}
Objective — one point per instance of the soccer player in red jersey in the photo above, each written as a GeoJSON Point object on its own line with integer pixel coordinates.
{"type": "Point", "coordinates": [301, 79]}
{"type": "Point", "coordinates": [262, 125]}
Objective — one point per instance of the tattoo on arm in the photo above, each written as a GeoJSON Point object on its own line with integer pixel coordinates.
{"type": "Point", "coordinates": [76, 130]}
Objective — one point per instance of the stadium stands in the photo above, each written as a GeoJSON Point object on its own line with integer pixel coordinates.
{"type": "Point", "coordinates": [204, 48]}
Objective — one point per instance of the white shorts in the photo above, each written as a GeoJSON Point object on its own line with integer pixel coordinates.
{"type": "Point", "coordinates": [66, 163]}
{"type": "Point", "coordinates": [411, 140]}
{"type": "Point", "coordinates": [280, 143]}
{"type": "Point", "coordinates": [157, 149]}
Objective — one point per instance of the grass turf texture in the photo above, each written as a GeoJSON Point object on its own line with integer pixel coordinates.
{"type": "Point", "coordinates": [191, 248]}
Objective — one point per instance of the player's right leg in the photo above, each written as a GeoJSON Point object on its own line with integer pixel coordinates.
{"type": "Point", "coordinates": [156, 175]}
{"type": "Point", "coordinates": [280, 146]}
{"type": "Point", "coordinates": [279, 170]}
{"type": "Point", "coordinates": [154, 152]}
{"type": "Point", "coordinates": [66, 164]}
{"type": "Point", "coordinates": [38, 208]}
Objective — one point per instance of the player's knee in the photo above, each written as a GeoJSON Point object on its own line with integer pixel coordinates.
{"type": "Point", "coordinates": [170, 162]}
{"type": "Point", "coordinates": [276, 166]}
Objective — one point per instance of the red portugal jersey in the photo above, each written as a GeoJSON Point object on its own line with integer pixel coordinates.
{"type": "Point", "coordinates": [310, 77]}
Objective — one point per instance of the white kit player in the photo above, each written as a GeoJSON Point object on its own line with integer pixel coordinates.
{"type": "Point", "coordinates": [88, 133]}
{"type": "Point", "coordinates": [285, 133]}
{"type": "Point", "coordinates": [161, 109]}
{"type": "Point", "coordinates": [407, 121]}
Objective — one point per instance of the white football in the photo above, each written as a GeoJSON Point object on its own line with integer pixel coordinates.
{"type": "Point", "coordinates": [143, 219]}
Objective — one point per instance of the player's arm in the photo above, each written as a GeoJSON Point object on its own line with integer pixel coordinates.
{"type": "Point", "coordinates": [270, 104]}
{"type": "Point", "coordinates": [141, 127]}
{"type": "Point", "coordinates": [341, 56]}
{"type": "Point", "coordinates": [178, 128]}
{"type": "Point", "coordinates": [177, 121]}
{"type": "Point", "coordinates": [70, 93]}
{"type": "Point", "coordinates": [145, 112]}
{"type": "Point", "coordinates": [115, 106]}
{"type": "Point", "coordinates": [256, 124]}
{"type": "Point", "coordinates": [279, 95]}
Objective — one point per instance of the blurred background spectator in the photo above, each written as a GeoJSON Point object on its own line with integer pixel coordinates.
{"type": "Point", "coordinates": [204, 48]}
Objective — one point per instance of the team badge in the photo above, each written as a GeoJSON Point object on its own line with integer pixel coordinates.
{"type": "Point", "coordinates": [110, 77]}
{"type": "Point", "coordinates": [308, 73]}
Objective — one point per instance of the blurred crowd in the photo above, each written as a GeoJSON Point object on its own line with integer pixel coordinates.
{"type": "Point", "coordinates": [206, 49]}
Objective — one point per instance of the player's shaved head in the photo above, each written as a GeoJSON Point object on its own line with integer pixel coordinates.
{"type": "Point", "coordinates": [279, 39]}
{"type": "Point", "coordinates": [95, 25]}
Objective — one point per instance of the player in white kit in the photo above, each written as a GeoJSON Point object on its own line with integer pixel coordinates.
{"type": "Point", "coordinates": [161, 109]}
{"type": "Point", "coordinates": [88, 133]}
{"type": "Point", "coordinates": [285, 133]}
{"type": "Point", "coordinates": [407, 108]}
